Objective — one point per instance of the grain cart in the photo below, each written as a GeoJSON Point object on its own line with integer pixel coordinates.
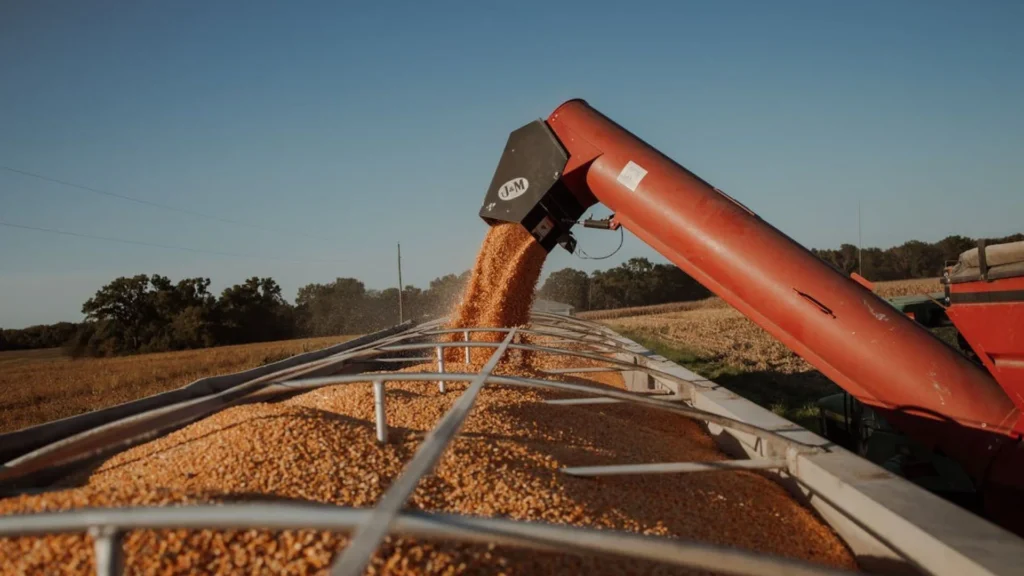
{"type": "Point", "coordinates": [969, 414]}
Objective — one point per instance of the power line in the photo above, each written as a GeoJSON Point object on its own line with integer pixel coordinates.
{"type": "Point", "coordinates": [166, 246]}
{"type": "Point", "coordinates": [156, 204]}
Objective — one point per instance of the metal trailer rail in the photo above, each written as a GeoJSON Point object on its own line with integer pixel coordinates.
{"type": "Point", "coordinates": [888, 523]}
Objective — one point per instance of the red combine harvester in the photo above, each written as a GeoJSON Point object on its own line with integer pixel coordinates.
{"type": "Point", "coordinates": [964, 411]}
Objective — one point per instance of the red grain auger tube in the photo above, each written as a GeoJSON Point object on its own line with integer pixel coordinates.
{"type": "Point", "coordinates": [552, 171]}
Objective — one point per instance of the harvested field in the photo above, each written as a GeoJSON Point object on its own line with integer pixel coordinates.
{"type": "Point", "coordinates": [713, 329]}
{"type": "Point", "coordinates": [722, 333]}
{"type": "Point", "coordinates": [722, 344]}
{"type": "Point", "coordinates": [320, 446]}
{"type": "Point", "coordinates": [907, 287]}
{"type": "Point", "coordinates": [715, 340]}
{"type": "Point", "coordinates": [38, 386]}
{"type": "Point", "coordinates": [884, 289]}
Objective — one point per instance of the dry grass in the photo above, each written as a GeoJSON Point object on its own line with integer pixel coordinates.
{"type": "Point", "coordinates": [884, 289]}
{"type": "Point", "coordinates": [908, 287]}
{"type": "Point", "coordinates": [721, 344]}
{"type": "Point", "coordinates": [719, 333]}
{"type": "Point", "coordinates": [38, 386]}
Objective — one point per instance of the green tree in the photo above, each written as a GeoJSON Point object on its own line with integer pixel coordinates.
{"type": "Point", "coordinates": [149, 314]}
{"type": "Point", "coordinates": [255, 311]}
{"type": "Point", "coordinates": [185, 314]}
{"type": "Point", "coordinates": [444, 292]}
{"type": "Point", "coordinates": [414, 303]}
{"type": "Point", "coordinates": [951, 247]}
{"type": "Point", "coordinates": [1005, 239]}
{"type": "Point", "coordinates": [568, 286]}
{"type": "Point", "coordinates": [380, 309]}
{"type": "Point", "coordinates": [915, 259]}
{"type": "Point", "coordinates": [878, 265]}
{"type": "Point", "coordinates": [670, 284]}
{"type": "Point", "coordinates": [633, 283]}
{"type": "Point", "coordinates": [331, 309]}
{"type": "Point", "coordinates": [848, 258]}
{"type": "Point", "coordinates": [124, 304]}
{"type": "Point", "coordinates": [39, 336]}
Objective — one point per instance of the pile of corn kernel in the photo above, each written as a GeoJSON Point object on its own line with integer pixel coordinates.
{"type": "Point", "coordinates": [320, 446]}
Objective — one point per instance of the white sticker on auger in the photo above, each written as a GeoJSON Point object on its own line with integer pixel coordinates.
{"type": "Point", "coordinates": [631, 175]}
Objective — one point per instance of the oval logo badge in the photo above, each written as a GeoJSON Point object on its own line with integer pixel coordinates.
{"type": "Point", "coordinates": [513, 189]}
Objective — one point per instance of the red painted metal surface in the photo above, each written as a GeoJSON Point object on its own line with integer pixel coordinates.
{"type": "Point", "coordinates": [885, 359]}
{"type": "Point", "coordinates": [994, 329]}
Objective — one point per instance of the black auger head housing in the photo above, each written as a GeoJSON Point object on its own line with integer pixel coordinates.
{"type": "Point", "coordinates": [527, 188]}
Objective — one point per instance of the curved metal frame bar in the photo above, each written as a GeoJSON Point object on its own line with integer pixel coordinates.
{"type": "Point", "coordinates": [370, 534]}
{"type": "Point", "coordinates": [311, 516]}
{"type": "Point", "coordinates": [676, 408]}
{"type": "Point", "coordinates": [545, 349]}
{"type": "Point", "coordinates": [532, 332]}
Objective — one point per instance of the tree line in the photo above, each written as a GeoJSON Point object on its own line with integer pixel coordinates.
{"type": "Point", "coordinates": [913, 259]}
{"type": "Point", "coordinates": [145, 313]}
{"type": "Point", "coordinates": [638, 282]}
{"type": "Point", "coordinates": [142, 314]}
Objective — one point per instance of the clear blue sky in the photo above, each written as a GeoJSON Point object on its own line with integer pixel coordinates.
{"type": "Point", "coordinates": [370, 123]}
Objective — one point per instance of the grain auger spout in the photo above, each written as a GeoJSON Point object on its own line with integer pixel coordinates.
{"type": "Point", "coordinates": [528, 188]}
{"type": "Point", "coordinates": [553, 170]}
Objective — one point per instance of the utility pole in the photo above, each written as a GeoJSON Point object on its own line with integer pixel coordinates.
{"type": "Point", "coordinates": [860, 243]}
{"type": "Point", "coordinates": [401, 317]}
